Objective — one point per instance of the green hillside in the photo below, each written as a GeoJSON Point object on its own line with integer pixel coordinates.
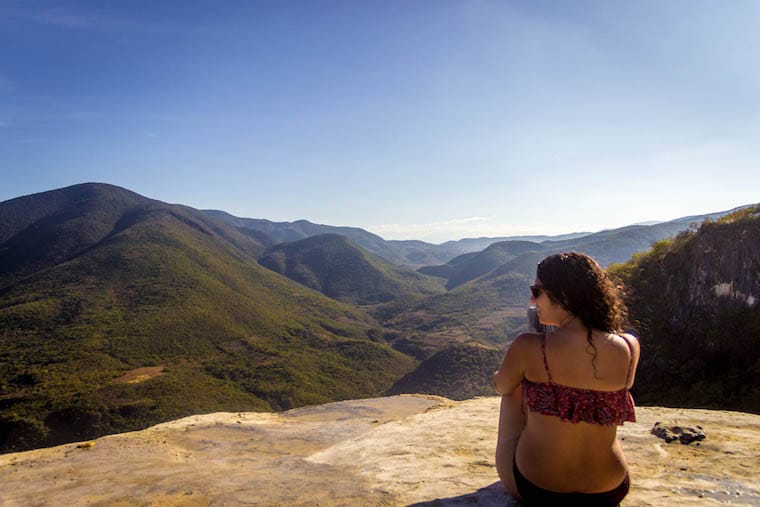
{"type": "Point", "coordinates": [337, 267]}
{"type": "Point", "coordinates": [43, 230]}
{"type": "Point", "coordinates": [458, 372]}
{"type": "Point", "coordinates": [168, 288]}
{"type": "Point", "coordinates": [446, 270]}
{"type": "Point", "coordinates": [693, 300]}
{"type": "Point", "coordinates": [471, 266]}
{"type": "Point", "coordinates": [491, 311]}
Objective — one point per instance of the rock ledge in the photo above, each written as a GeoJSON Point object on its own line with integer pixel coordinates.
{"type": "Point", "coordinates": [398, 450]}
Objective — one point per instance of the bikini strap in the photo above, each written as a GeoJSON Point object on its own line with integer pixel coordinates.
{"type": "Point", "coordinates": [630, 363]}
{"type": "Point", "coordinates": [543, 352]}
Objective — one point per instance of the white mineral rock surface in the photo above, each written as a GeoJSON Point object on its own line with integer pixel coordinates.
{"type": "Point", "coordinates": [399, 450]}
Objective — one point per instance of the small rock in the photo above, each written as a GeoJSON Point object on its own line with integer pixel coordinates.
{"type": "Point", "coordinates": [684, 434]}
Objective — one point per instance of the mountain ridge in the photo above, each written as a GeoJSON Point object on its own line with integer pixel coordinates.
{"type": "Point", "coordinates": [410, 253]}
{"type": "Point", "coordinates": [337, 267]}
{"type": "Point", "coordinates": [174, 291]}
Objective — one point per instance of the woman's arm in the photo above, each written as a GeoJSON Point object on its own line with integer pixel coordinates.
{"type": "Point", "coordinates": [512, 370]}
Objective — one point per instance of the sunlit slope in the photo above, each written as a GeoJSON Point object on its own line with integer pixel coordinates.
{"type": "Point", "coordinates": [337, 267]}
{"type": "Point", "coordinates": [164, 289]}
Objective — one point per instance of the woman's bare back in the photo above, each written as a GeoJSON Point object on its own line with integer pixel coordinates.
{"type": "Point", "coordinates": [566, 456]}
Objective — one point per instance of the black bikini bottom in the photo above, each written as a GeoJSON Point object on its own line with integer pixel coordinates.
{"type": "Point", "coordinates": [534, 495]}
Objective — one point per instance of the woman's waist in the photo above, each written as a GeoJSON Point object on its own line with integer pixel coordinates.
{"type": "Point", "coordinates": [560, 461]}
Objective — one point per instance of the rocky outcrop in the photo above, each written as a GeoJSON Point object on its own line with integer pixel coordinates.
{"type": "Point", "coordinates": [673, 432]}
{"type": "Point", "coordinates": [400, 450]}
{"type": "Point", "coordinates": [694, 303]}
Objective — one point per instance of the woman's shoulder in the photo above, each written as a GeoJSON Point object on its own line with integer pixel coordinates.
{"type": "Point", "coordinates": [626, 350]}
{"type": "Point", "coordinates": [526, 344]}
{"type": "Point", "coordinates": [628, 341]}
{"type": "Point", "coordinates": [633, 344]}
{"type": "Point", "coordinates": [528, 340]}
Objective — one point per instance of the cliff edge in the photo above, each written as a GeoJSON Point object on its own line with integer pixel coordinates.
{"type": "Point", "coordinates": [398, 450]}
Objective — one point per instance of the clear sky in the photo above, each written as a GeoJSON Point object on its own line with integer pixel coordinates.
{"type": "Point", "coordinates": [413, 119]}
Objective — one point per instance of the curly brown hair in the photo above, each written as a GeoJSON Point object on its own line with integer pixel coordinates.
{"type": "Point", "coordinates": [576, 282]}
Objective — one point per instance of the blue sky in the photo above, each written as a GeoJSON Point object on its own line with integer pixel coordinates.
{"type": "Point", "coordinates": [430, 120]}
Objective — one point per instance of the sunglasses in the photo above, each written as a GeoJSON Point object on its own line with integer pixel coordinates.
{"type": "Point", "coordinates": [536, 291]}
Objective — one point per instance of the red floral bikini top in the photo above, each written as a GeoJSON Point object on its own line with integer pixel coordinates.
{"type": "Point", "coordinates": [574, 404]}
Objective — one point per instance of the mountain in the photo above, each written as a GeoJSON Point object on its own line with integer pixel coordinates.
{"type": "Point", "coordinates": [490, 311]}
{"type": "Point", "coordinates": [417, 253]}
{"type": "Point", "coordinates": [42, 230]}
{"type": "Point", "coordinates": [478, 244]}
{"type": "Point", "coordinates": [470, 266]}
{"type": "Point", "coordinates": [458, 372]}
{"type": "Point", "coordinates": [118, 311]}
{"type": "Point", "coordinates": [337, 267]}
{"type": "Point", "coordinates": [618, 245]}
{"type": "Point", "coordinates": [408, 253]}
{"type": "Point", "coordinates": [607, 247]}
{"type": "Point", "coordinates": [283, 232]}
{"type": "Point", "coordinates": [694, 302]}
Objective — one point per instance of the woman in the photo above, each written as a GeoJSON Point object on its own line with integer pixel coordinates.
{"type": "Point", "coordinates": [564, 394]}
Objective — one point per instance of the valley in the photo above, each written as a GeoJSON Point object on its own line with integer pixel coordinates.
{"type": "Point", "coordinates": [118, 312]}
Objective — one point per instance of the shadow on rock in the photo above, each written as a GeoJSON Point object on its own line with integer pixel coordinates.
{"type": "Point", "coordinates": [490, 496]}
